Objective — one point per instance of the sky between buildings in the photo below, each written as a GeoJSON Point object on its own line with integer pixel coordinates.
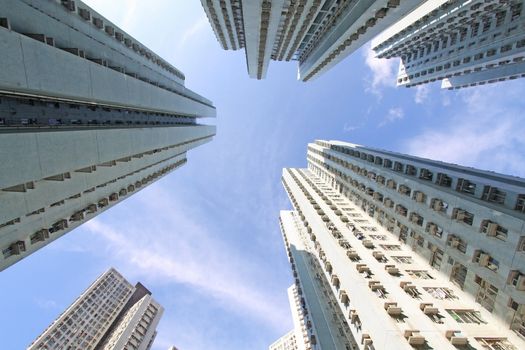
{"type": "Point", "coordinates": [205, 239]}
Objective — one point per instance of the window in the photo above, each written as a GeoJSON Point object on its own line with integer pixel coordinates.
{"type": "Point", "coordinates": [14, 249]}
{"type": "Point", "coordinates": [425, 174]}
{"type": "Point", "coordinates": [403, 189]}
{"type": "Point", "coordinates": [485, 260]}
{"type": "Point", "coordinates": [398, 167]}
{"type": "Point", "coordinates": [401, 210]}
{"type": "Point", "coordinates": [419, 197]}
{"type": "Point", "coordinates": [39, 236]}
{"type": "Point", "coordinates": [403, 259]}
{"type": "Point", "coordinates": [410, 170]}
{"type": "Point", "coordinates": [518, 323]}
{"type": "Point", "coordinates": [416, 219]}
{"type": "Point", "coordinates": [437, 256]}
{"type": "Point", "coordinates": [492, 229]}
{"type": "Point", "coordinates": [461, 215]}
{"type": "Point", "coordinates": [487, 294]}
{"type": "Point", "coordinates": [496, 344]}
{"type": "Point", "coordinates": [465, 186]}
{"type": "Point", "coordinates": [456, 242]}
{"type": "Point", "coordinates": [520, 203]}
{"type": "Point", "coordinates": [443, 180]}
{"type": "Point", "coordinates": [441, 293]}
{"type": "Point", "coordinates": [390, 246]}
{"type": "Point", "coordinates": [391, 184]}
{"type": "Point", "coordinates": [438, 205]}
{"type": "Point", "coordinates": [434, 229]}
{"type": "Point", "coordinates": [466, 316]}
{"type": "Point", "coordinates": [521, 244]}
{"type": "Point", "coordinates": [493, 194]}
{"type": "Point", "coordinates": [458, 275]}
{"type": "Point", "coordinates": [420, 274]}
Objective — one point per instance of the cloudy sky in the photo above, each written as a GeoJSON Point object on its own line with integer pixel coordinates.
{"type": "Point", "coordinates": [205, 239]}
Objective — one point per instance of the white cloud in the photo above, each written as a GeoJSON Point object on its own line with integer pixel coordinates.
{"type": "Point", "coordinates": [383, 72]}
{"type": "Point", "coordinates": [193, 31]}
{"type": "Point", "coordinates": [421, 95]}
{"type": "Point", "coordinates": [45, 304]}
{"type": "Point", "coordinates": [394, 114]}
{"type": "Point", "coordinates": [487, 133]}
{"type": "Point", "coordinates": [178, 249]}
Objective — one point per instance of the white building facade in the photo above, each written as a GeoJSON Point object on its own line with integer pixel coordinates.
{"type": "Point", "coordinates": [461, 43]}
{"type": "Point", "coordinates": [317, 33]}
{"type": "Point", "coordinates": [110, 314]}
{"type": "Point", "coordinates": [88, 116]}
{"type": "Point", "coordinates": [391, 251]}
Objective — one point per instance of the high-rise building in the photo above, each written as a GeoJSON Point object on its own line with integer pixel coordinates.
{"type": "Point", "coordinates": [317, 33]}
{"type": "Point", "coordinates": [286, 342]}
{"type": "Point", "coordinates": [461, 43]}
{"type": "Point", "coordinates": [110, 314]}
{"type": "Point", "coordinates": [391, 251]}
{"type": "Point", "coordinates": [88, 116]}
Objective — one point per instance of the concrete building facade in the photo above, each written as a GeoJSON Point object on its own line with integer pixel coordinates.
{"type": "Point", "coordinates": [316, 33]}
{"type": "Point", "coordinates": [461, 43]}
{"type": "Point", "coordinates": [391, 251]}
{"type": "Point", "coordinates": [88, 116]}
{"type": "Point", "coordinates": [286, 342]}
{"type": "Point", "coordinates": [110, 314]}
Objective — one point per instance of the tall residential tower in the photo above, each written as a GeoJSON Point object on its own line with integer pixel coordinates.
{"type": "Point", "coordinates": [391, 251]}
{"type": "Point", "coordinates": [317, 33]}
{"type": "Point", "coordinates": [462, 43]}
{"type": "Point", "coordinates": [110, 315]}
{"type": "Point", "coordinates": [88, 116]}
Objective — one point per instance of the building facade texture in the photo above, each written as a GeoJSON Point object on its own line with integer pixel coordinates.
{"type": "Point", "coordinates": [88, 116]}
{"type": "Point", "coordinates": [391, 251]}
{"type": "Point", "coordinates": [316, 33]}
{"type": "Point", "coordinates": [461, 43]}
{"type": "Point", "coordinates": [110, 314]}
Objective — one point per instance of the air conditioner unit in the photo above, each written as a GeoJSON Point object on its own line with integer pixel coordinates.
{"type": "Point", "coordinates": [484, 259]}
{"type": "Point", "coordinates": [492, 229]}
{"type": "Point", "coordinates": [438, 205]}
{"type": "Point", "coordinates": [521, 282]}
{"type": "Point", "coordinates": [460, 215]}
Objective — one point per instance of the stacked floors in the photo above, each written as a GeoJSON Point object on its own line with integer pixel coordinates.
{"type": "Point", "coordinates": [88, 116]}
{"type": "Point", "coordinates": [461, 43]}
{"type": "Point", "coordinates": [110, 314]}
{"type": "Point", "coordinates": [391, 251]}
{"type": "Point", "coordinates": [316, 33]}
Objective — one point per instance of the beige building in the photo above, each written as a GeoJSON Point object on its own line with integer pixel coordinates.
{"type": "Point", "coordinates": [110, 314]}
{"type": "Point", "coordinates": [391, 251]}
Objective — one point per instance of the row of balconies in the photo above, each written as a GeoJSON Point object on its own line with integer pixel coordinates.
{"type": "Point", "coordinates": [85, 14]}
{"type": "Point", "coordinates": [490, 193]}
{"type": "Point", "coordinates": [353, 37]}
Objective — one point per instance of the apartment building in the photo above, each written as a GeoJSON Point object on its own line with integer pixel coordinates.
{"type": "Point", "coordinates": [110, 314]}
{"type": "Point", "coordinates": [88, 117]}
{"type": "Point", "coordinates": [461, 43]}
{"type": "Point", "coordinates": [391, 251]}
{"type": "Point", "coordinates": [316, 33]}
{"type": "Point", "coordinates": [286, 342]}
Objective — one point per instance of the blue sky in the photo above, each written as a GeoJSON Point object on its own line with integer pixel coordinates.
{"type": "Point", "coordinates": [205, 239]}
